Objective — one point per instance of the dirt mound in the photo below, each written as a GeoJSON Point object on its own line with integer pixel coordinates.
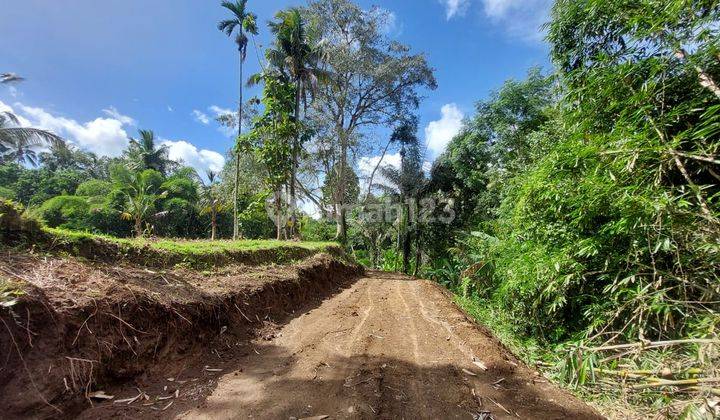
{"type": "Point", "coordinates": [77, 327]}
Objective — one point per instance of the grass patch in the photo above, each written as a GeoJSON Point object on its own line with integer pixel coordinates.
{"type": "Point", "coordinates": [193, 247]}
{"type": "Point", "coordinates": [198, 254]}
{"type": "Point", "coordinates": [206, 247]}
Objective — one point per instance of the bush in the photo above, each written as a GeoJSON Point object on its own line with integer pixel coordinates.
{"type": "Point", "coordinates": [16, 224]}
{"type": "Point", "coordinates": [94, 188]}
{"type": "Point", "coordinates": [67, 212]}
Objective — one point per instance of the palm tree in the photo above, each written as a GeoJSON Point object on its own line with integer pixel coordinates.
{"type": "Point", "coordinates": [243, 21]}
{"type": "Point", "coordinates": [140, 196]}
{"type": "Point", "coordinates": [144, 154]}
{"type": "Point", "coordinates": [17, 143]}
{"type": "Point", "coordinates": [296, 54]}
{"type": "Point", "coordinates": [210, 202]}
{"type": "Point", "coordinates": [407, 184]}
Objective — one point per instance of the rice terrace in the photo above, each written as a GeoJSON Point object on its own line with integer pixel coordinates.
{"type": "Point", "coordinates": [355, 209]}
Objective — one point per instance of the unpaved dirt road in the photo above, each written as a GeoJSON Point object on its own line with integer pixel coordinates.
{"type": "Point", "coordinates": [386, 347]}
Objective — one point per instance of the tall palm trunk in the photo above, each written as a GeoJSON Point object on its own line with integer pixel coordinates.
{"type": "Point", "coordinates": [213, 223]}
{"type": "Point", "coordinates": [236, 227]}
{"type": "Point", "coordinates": [138, 227]}
{"type": "Point", "coordinates": [293, 172]}
{"type": "Point", "coordinates": [341, 234]}
{"type": "Point", "coordinates": [278, 216]}
{"type": "Point", "coordinates": [418, 250]}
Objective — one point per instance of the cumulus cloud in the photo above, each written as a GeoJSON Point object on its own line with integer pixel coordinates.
{"type": "Point", "coordinates": [455, 7]}
{"type": "Point", "coordinates": [103, 136]}
{"type": "Point", "coordinates": [201, 117]}
{"type": "Point", "coordinates": [200, 159]}
{"type": "Point", "coordinates": [438, 133]}
{"type": "Point", "coordinates": [107, 136]}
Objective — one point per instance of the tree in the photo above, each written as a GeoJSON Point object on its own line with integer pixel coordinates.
{"type": "Point", "coordinates": [67, 156]}
{"type": "Point", "coordinates": [144, 154]}
{"type": "Point", "coordinates": [141, 192]}
{"type": "Point", "coordinates": [271, 137]}
{"type": "Point", "coordinates": [494, 145]}
{"type": "Point", "coordinates": [211, 202]}
{"type": "Point", "coordinates": [18, 143]}
{"type": "Point", "coordinates": [406, 184]}
{"type": "Point", "coordinates": [373, 81]}
{"type": "Point", "coordinates": [244, 22]}
{"type": "Point", "coordinates": [297, 53]}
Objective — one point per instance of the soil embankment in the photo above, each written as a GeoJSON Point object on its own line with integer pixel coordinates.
{"type": "Point", "coordinates": [82, 328]}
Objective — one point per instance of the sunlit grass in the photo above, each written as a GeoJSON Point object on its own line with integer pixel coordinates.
{"type": "Point", "coordinates": [197, 247]}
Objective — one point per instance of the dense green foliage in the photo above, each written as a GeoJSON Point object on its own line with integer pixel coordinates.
{"type": "Point", "coordinates": [587, 202]}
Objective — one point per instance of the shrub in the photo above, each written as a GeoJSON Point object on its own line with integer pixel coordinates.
{"type": "Point", "coordinates": [67, 212]}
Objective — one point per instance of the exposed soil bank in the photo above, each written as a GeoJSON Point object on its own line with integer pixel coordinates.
{"type": "Point", "coordinates": [82, 327]}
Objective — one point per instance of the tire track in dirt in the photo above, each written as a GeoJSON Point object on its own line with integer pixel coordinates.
{"type": "Point", "coordinates": [387, 347]}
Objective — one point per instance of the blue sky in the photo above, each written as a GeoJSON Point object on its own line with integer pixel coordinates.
{"type": "Point", "coordinates": [99, 70]}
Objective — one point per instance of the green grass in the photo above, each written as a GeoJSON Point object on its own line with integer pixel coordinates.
{"type": "Point", "coordinates": [197, 247]}
{"type": "Point", "coordinates": [205, 247]}
{"type": "Point", "coordinates": [200, 254]}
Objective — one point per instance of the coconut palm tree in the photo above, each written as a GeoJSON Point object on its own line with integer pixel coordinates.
{"type": "Point", "coordinates": [297, 55]}
{"type": "Point", "coordinates": [144, 154]}
{"type": "Point", "coordinates": [210, 202]}
{"type": "Point", "coordinates": [18, 143]}
{"type": "Point", "coordinates": [141, 196]}
{"type": "Point", "coordinates": [241, 23]}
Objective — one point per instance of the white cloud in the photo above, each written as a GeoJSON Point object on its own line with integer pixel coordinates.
{"type": "Point", "coordinates": [103, 136]}
{"type": "Point", "coordinates": [366, 164]}
{"type": "Point", "coordinates": [213, 113]}
{"type": "Point", "coordinates": [113, 113]}
{"type": "Point", "coordinates": [107, 136]}
{"type": "Point", "coordinates": [24, 122]}
{"type": "Point", "coordinates": [218, 111]}
{"type": "Point", "coordinates": [455, 8]}
{"type": "Point", "coordinates": [521, 18]}
{"type": "Point", "coordinates": [200, 159]}
{"type": "Point", "coordinates": [438, 133]}
{"type": "Point", "coordinates": [201, 117]}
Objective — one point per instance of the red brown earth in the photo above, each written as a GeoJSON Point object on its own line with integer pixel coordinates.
{"type": "Point", "coordinates": [278, 342]}
{"type": "Point", "coordinates": [85, 326]}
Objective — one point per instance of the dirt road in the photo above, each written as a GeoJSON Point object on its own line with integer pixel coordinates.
{"type": "Point", "coordinates": [386, 347]}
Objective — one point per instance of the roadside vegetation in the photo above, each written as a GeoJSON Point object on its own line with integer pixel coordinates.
{"type": "Point", "coordinates": [587, 233]}
{"type": "Point", "coordinates": [577, 213]}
